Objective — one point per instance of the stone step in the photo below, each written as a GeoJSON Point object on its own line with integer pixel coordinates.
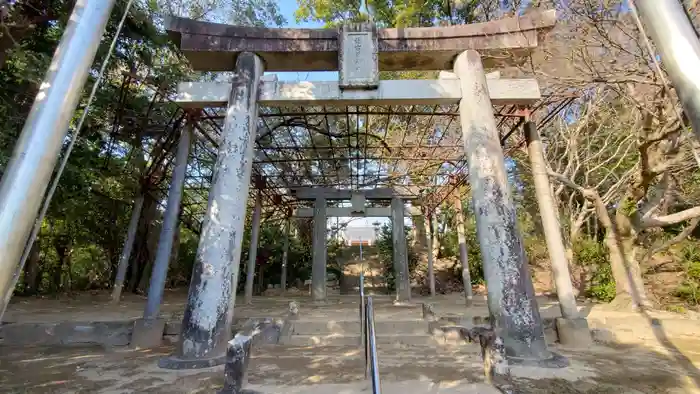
{"type": "Point", "coordinates": [352, 327]}
{"type": "Point", "coordinates": [409, 340]}
{"type": "Point", "coordinates": [410, 387]}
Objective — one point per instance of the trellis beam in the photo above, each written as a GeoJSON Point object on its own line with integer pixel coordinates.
{"type": "Point", "coordinates": [312, 193]}
{"type": "Point", "coordinates": [347, 212]}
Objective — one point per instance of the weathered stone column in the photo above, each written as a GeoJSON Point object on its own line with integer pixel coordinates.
{"type": "Point", "coordinates": [318, 266]}
{"type": "Point", "coordinates": [148, 331]}
{"type": "Point", "coordinates": [463, 257]}
{"type": "Point", "coordinates": [285, 253]}
{"type": "Point", "coordinates": [253, 250]}
{"type": "Point", "coordinates": [572, 329]}
{"type": "Point", "coordinates": [128, 247]}
{"type": "Point", "coordinates": [403, 284]}
{"type": "Point", "coordinates": [514, 313]}
{"type": "Point", "coordinates": [206, 326]}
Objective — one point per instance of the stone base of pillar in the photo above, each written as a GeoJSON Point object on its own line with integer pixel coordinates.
{"type": "Point", "coordinates": [574, 333]}
{"type": "Point", "coordinates": [553, 360]}
{"type": "Point", "coordinates": [174, 362]}
{"type": "Point", "coordinates": [147, 333]}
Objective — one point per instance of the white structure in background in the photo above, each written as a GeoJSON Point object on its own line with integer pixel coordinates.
{"type": "Point", "coordinates": [364, 235]}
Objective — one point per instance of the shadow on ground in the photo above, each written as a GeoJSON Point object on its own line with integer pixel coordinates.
{"type": "Point", "coordinates": [601, 369]}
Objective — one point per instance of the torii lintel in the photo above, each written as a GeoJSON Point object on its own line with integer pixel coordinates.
{"type": "Point", "coordinates": [503, 42]}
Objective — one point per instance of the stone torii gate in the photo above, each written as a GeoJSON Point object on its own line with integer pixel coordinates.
{"type": "Point", "coordinates": [320, 212]}
{"type": "Point", "coordinates": [359, 52]}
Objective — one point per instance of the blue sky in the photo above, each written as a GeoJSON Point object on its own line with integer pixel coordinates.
{"type": "Point", "coordinates": [287, 8]}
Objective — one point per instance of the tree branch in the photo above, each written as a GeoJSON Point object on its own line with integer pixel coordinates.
{"type": "Point", "coordinates": [674, 218]}
{"type": "Point", "coordinates": [678, 238]}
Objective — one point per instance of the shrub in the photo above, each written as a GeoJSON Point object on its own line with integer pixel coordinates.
{"type": "Point", "coordinates": [689, 290]}
{"type": "Point", "coordinates": [385, 244]}
{"type": "Point", "coordinates": [593, 255]}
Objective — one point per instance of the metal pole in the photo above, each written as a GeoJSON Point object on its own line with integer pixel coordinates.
{"type": "Point", "coordinates": [511, 300]}
{"type": "Point", "coordinates": [29, 170]}
{"type": "Point", "coordinates": [318, 265]}
{"type": "Point", "coordinates": [207, 323]}
{"type": "Point", "coordinates": [285, 254]}
{"type": "Point", "coordinates": [170, 223]}
{"type": "Point", "coordinates": [677, 42]}
{"type": "Point", "coordinates": [360, 248]}
{"type": "Point", "coordinates": [128, 247]}
{"type": "Point", "coordinates": [253, 249]}
{"type": "Point", "coordinates": [463, 257]}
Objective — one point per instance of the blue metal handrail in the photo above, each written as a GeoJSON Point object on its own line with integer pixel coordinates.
{"type": "Point", "coordinates": [368, 336]}
{"type": "Point", "coordinates": [373, 363]}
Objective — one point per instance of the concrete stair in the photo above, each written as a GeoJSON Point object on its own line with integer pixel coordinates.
{"type": "Point", "coordinates": [410, 332]}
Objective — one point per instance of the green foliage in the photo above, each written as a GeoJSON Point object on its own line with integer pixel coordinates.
{"type": "Point", "coordinates": [593, 255]}
{"type": "Point", "coordinates": [116, 155]}
{"type": "Point", "coordinates": [450, 249]}
{"type": "Point", "coordinates": [589, 252]}
{"type": "Point", "coordinates": [410, 13]}
{"type": "Point", "coordinates": [676, 308]}
{"type": "Point", "coordinates": [603, 287]}
{"type": "Point", "coordinates": [689, 290]}
{"type": "Point", "coordinates": [385, 244]}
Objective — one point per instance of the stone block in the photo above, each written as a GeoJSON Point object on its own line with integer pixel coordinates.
{"type": "Point", "coordinates": [173, 328]}
{"type": "Point", "coordinates": [357, 56]}
{"type": "Point", "coordinates": [147, 333]}
{"type": "Point", "coordinates": [67, 333]}
{"type": "Point", "coordinates": [603, 336]}
{"type": "Point", "coordinates": [236, 368]}
{"type": "Point", "coordinates": [550, 330]}
{"type": "Point", "coordinates": [573, 333]}
{"type": "Point", "coordinates": [428, 312]}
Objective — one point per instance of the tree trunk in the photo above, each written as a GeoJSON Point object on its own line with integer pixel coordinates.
{"type": "Point", "coordinates": [66, 267]}
{"type": "Point", "coordinates": [629, 287]}
{"type": "Point", "coordinates": [174, 257]}
{"type": "Point", "coordinates": [436, 237]}
{"type": "Point", "coordinates": [57, 277]}
{"type": "Point", "coordinates": [61, 253]}
{"type": "Point", "coordinates": [628, 275]}
{"type": "Point", "coordinates": [141, 251]}
{"type": "Point", "coordinates": [261, 279]}
{"type": "Point", "coordinates": [151, 247]}
{"type": "Point", "coordinates": [31, 270]}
